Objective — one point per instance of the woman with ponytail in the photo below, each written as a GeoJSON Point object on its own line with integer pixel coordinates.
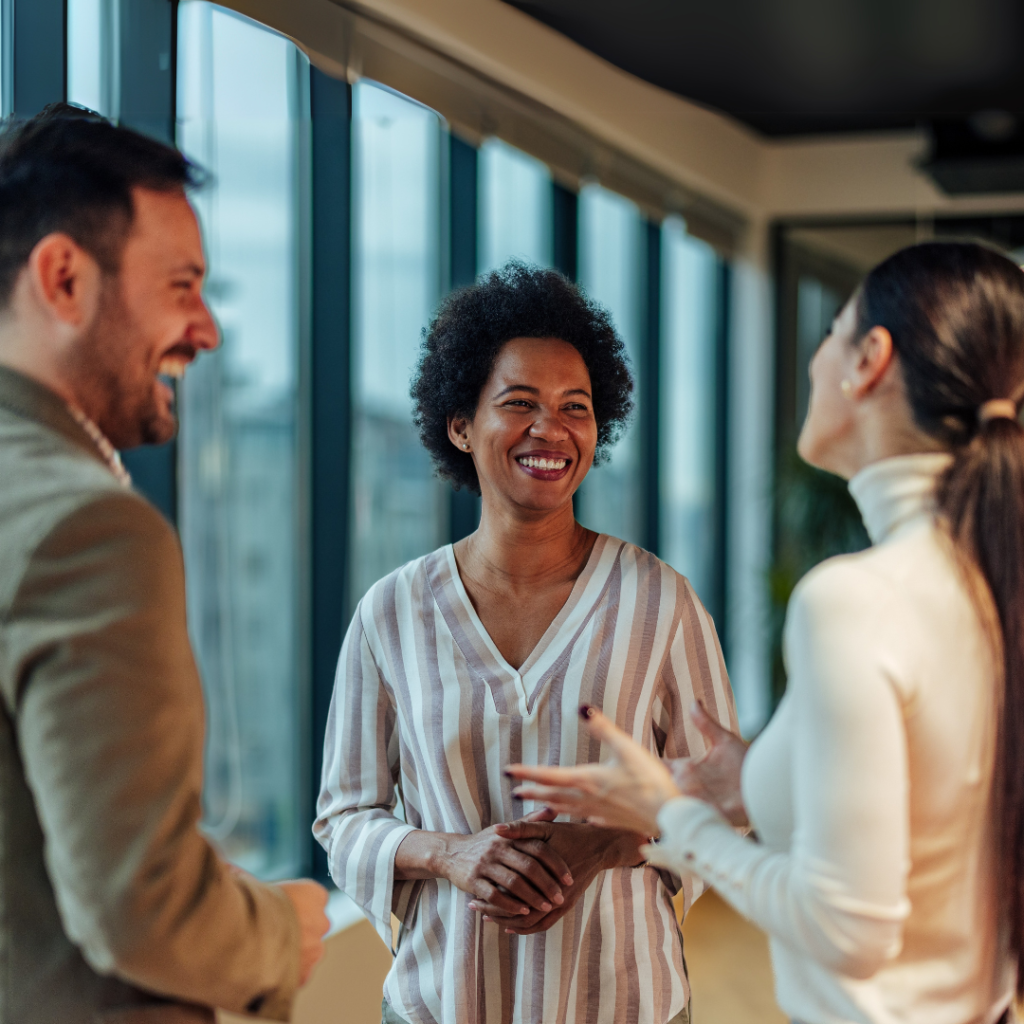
{"type": "Point", "coordinates": [887, 792]}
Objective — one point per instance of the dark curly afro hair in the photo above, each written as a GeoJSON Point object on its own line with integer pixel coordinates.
{"type": "Point", "coordinates": [471, 326]}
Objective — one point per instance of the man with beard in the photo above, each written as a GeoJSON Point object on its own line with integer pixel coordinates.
{"type": "Point", "coordinates": [113, 907]}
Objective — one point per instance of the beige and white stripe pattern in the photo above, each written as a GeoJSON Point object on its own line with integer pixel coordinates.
{"type": "Point", "coordinates": [425, 715]}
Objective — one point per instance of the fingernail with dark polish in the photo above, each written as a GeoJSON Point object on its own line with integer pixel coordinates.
{"type": "Point", "coordinates": [586, 711]}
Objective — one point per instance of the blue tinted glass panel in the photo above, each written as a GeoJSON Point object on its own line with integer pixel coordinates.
{"type": "Point", "coordinates": [689, 298]}
{"type": "Point", "coordinates": [241, 106]}
{"type": "Point", "coordinates": [514, 212]}
{"type": "Point", "coordinates": [91, 64]}
{"type": "Point", "coordinates": [400, 509]}
{"type": "Point", "coordinates": [611, 272]}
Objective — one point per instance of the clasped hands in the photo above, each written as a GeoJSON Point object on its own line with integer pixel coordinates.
{"type": "Point", "coordinates": [526, 875]}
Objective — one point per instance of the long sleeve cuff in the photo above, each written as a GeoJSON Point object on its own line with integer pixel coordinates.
{"type": "Point", "coordinates": [365, 871]}
{"type": "Point", "coordinates": [684, 822]}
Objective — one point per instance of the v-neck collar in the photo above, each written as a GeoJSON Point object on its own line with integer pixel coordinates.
{"type": "Point", "coordinates": [479, 649]}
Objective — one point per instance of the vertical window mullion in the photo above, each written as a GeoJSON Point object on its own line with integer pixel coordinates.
{"type": "Point", "coordinates": [723, 327]}
{"type": "Point", "coordinates": [565, 230]}
{"type": "Point", "coordinates": [35, 47]}
{"type": "Point", "coordinates": [331, 395]}
{"type": "Point", "coordinates": [463, 255]}
{"type": "Point", "coordinates": [649, 408]}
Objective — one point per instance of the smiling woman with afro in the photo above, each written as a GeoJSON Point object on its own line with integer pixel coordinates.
{"type": "Point", "coordinates": [470, 329]}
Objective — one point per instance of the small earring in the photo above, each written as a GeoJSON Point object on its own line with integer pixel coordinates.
{"type": "Point", "coordinates": [466, 446]}
{"type": "Point", "coordinates": [847, 388]}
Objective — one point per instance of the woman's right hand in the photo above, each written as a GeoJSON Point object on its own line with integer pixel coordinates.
{"type": "Point", "coordinates": [490, 868]}
{"type": "Point", "coordinates": [714, 777]}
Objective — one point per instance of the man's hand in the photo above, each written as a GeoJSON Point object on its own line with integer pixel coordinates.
{"type": "Point", "coordinates": [714, 776]}
{"type": "Point", "coordinates": [586, 849]}
{"type": "Point", "coordinates": [309, 900]}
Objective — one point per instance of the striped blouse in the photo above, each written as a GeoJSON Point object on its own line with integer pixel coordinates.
{"type": "Point", "coordinates": [425, 715]}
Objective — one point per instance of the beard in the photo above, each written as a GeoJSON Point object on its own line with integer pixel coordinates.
{"type": "Point", "coordinates": [115, 379]}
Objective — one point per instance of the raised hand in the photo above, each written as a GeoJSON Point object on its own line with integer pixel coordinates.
{"type": "Point", "coordinates": [625, 792]}
{"type": "Point", "coordinates": [714, 776]}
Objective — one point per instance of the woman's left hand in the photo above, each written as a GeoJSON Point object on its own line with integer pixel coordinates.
{"type": "Point", "coordinates": [625, 792]}
{"type": "Point", "coordinates": [587, 851]}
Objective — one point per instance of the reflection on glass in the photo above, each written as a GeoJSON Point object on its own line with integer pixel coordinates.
{"type": "Point", "coordinates": [92, 66]}
{"type": "Point", "coordinates": [514, 207]}
{"type": "Point", "coordinates": [689, 299]}
{"type": "Point", "coordinates": [400, 508]}
{"type": "Point", "coordinates": [240, 105]}
{"type": "Point", "coordinates": [611, 273]}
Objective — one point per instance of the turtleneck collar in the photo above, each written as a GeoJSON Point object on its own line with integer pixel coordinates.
{"type": "Point", "coordinates": [893, 491]}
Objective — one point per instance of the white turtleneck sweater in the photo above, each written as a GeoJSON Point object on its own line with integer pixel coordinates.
{"type": "Point", "coordinates": [870, 787]}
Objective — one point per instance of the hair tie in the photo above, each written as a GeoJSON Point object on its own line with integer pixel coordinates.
{"type": "Point", "coordinates": [997, 409]}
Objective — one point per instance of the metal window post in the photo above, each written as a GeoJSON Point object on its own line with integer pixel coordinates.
{"type": "Point", "coordinates": [649, 393]}
{"type": "Point", "coordinates": [723, 330]}
{"type": "Point", "coordinates": [331, 114]}
{"type": "Point", "coordinates": [462, 207]}
{"type": "Point", "coordinates": [564, 230]}
{"type": "Point", "coordinates": [34, 54]}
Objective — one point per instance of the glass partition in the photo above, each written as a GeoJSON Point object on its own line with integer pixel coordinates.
{"type": "Point", "coordinates": [688, 399]}
{"type": "Point", "coordinates": [400, 509]}
{"type": "Point", "coordinates": [241, 106]}
{"type": "Point", "coordinates": [611, 271]}
{"type": "Point", "coordinates": [90, 62]}
{"type": "Point", "coordinates": [514, 212]}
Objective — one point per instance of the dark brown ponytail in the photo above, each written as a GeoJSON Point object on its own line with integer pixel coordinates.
{"type": "Point", "coordinates": [956, 315]}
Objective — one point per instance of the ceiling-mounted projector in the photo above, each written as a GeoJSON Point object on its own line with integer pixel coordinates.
{"type": "Point", "coordinates": [978, 154]}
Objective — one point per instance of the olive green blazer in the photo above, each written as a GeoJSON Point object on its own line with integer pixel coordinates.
{"type": "Point", "coordinates": [113, 907]}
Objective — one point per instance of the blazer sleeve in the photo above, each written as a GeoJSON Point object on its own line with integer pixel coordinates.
{"type": "Point", "coordinates": [109, 712]}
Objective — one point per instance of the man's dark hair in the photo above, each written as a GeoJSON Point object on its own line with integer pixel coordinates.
{"type": "Point", "coordinates": [70, 170]}
{"type": "Point", "coordinates": [469, 330]}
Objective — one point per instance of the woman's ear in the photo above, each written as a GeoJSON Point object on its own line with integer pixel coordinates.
{"type": "Point", "coordinates": [458, 432]}
{"type": "Point", "coordinates": [874, 356]}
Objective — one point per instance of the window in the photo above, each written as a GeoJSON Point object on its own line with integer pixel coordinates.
{"type": "Point", "coordinates": [611, 271]}
{"type": "Point", "coordinates": [817, 305]}
{"type": "Point", "coordinates": [400, 509]}
{"type": "Point", "coordinates": [89, 61]}
{"type": "Point", "coordinates": [241, 107]}
{"type": "Point", "coordinates": [514, 207]}
{"type": "Point", "coordinates": [688, 385]}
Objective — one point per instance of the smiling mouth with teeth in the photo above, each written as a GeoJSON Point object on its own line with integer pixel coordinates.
{"type": "Point", "coordinates": [174, 366]}
{"type": "Point", "coordinates": [548, 464]}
